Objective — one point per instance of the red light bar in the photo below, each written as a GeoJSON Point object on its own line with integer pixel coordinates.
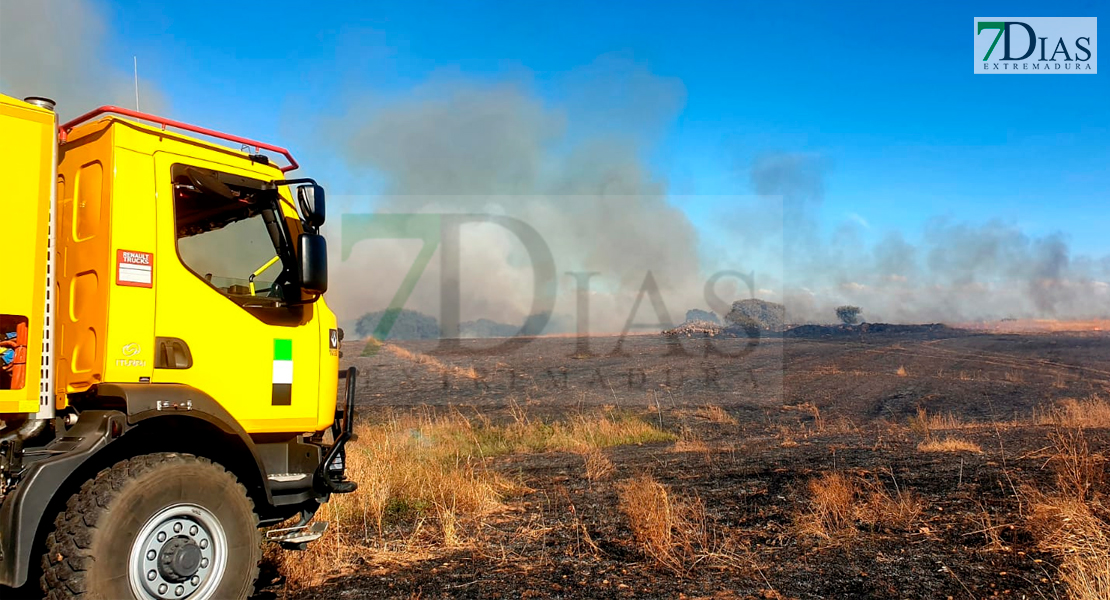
{"type": "Point", "coordinates": [63, 131]}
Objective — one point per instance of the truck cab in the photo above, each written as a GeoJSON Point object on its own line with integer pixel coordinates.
{"type": "Point", "coordinates": [170, 287]}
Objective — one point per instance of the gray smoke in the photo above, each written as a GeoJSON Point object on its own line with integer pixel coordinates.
{"type": "Point", "coordinates": [575, 172]}
{"type": "Point", "coordinates": [958, 272]}
{"type": "Point", "coordinates": [57, 49]}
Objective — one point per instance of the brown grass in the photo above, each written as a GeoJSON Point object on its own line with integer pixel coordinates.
{"type": "Point", "coordinates": [838, 503]}
{"type": "Point", "coordinates": [716, 414]}
{"type": "Point", "coordinates": [598, 466]}
{"type": "Point", "coordinates": [925, 423]}
{"type": "Point", "coordinates": [431, 362]}
{"type": "Point", "coordinates": [832, 507]}
{"type": "Point", "coordinates": [949, 445]}
{"type": "Point", "coordinates": [807, 407]}
{"type": "Point", "coordinates": [1072, 521]}
{"type": "Point", "coordinates": [990, 529]}
{"type": "Point", "coordinates": [372, 347]}
{"type": "Point", "coordinates": [425, 482]}
{"type": "Point", "coordinates": [1093, 411]}
{"type": "Point", "coordinates": [897, 509]}
{"type": "Point", "coordinates": [671, 530]}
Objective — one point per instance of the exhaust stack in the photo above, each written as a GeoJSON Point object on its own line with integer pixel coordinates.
{"type": "Point", "coordinates": [41, 102]}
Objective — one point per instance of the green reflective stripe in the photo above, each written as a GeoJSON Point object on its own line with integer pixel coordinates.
{"type": "Point", "coordinates": [283, 349]}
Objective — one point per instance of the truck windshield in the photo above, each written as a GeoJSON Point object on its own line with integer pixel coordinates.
{"type": "Point", "coordinates": [227, 227]}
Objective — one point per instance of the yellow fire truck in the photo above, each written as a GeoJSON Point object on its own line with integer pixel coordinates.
{"type": "Point", "coordinates": [168, 366]}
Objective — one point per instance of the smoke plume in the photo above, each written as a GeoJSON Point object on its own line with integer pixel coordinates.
{"type": "Point", "coordinates": [58, 49]}
{"type": "Point", "coordinates": [958, 271]}
{"type": "Point", "coordinates": [575, 172]}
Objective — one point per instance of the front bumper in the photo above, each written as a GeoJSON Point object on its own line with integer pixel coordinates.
{"type": "Point", "coordinates": [331, 475]}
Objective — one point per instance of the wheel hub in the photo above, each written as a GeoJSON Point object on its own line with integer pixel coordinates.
{"type": "Point", "coordinates": [179, 553]}
{"type": "Point", "coordinates": [179, 559]}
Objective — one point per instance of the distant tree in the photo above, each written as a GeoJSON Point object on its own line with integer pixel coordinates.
{"type": "Point", "coordinates": [486, 328]}
{"type": "Point", "coordinates": [407, 325]}
{"type": "Point", "coordinates": [848, 314]}
{"type": "Point", "coordinates": [697, 314]}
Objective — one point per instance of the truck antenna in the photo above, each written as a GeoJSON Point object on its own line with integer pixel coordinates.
{"type": "Point", "coordinates": [136, 58]}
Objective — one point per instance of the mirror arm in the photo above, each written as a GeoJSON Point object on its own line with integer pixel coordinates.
{"type": "Point", "coordinates": [280, 182]}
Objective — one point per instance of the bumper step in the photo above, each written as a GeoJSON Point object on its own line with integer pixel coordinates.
{"type": "Point", "coordinates": [297, 538]}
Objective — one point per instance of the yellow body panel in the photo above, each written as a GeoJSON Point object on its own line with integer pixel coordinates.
{"type": "Point", "coordinates": [26, 169]}
{"type": "Point", "coordinates": [85, 193]}
{"type": "Point", "coordinates": [109, 327]}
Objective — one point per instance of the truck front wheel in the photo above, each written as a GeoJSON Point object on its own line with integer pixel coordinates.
{"type": "Point", "coordinates": [160, 526]}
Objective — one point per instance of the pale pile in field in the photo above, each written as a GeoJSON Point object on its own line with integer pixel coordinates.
{"type": "Point", "coordinates": [695, 329]}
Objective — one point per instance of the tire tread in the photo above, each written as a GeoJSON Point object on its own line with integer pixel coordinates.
{"type": "Point", "coordinates": [68, 554]}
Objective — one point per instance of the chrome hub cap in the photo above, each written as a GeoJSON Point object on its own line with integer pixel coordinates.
{"type": "Point", "coordinates": [180, 553]}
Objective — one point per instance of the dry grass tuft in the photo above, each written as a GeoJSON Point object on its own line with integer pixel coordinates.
{"type": "Point", "coordinates": [813, 410]}
{"type": "Point", "coordinates": [1080, 473]}
{"type": "Point", "coordinates": [372, 347]}
{"type": "Point", "coordinates": [598, 466]}
{"type": "Point", "coordinates": [425, 483]}
{"type": "Point", "coordinates": [1072, 521]}
{"type": "Point", "coordinates": [716, 414]}
{"type": "Point", "coordinates": [1093, 411]}
{"type": "Point", "coordinates": [1078, 534]}
{"type": "Point", "coordinates": [925, 423]}
{"type": "Point", "coordinates": [831, 512]}
{"type": "Point", "coordinates": [839, 502]}
{"type": "Point", "coordinates": [671, 530]}
{"type": "Point", "coordinates": [949, 445]}
{"type": "Point", "coordinates": [899, 509]}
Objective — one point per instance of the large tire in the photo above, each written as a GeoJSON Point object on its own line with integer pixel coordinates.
{"type": "Point", "coordinates": [111, 530]}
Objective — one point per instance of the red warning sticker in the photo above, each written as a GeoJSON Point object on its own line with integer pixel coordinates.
{"type": "Point", "coordinates": [135, 269]}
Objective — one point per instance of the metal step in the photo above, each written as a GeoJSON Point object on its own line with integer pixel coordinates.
{"type": "Point", "coordinates": [297, 538]}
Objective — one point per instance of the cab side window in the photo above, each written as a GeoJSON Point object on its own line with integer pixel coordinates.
{"type": "Point", "coordinates": [231, 234]}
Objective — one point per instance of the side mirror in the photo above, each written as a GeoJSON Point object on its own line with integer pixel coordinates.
{"type": "Point", "coordinates": [311, 199]}
{"type": "Point", "coordinates": [314, 263]}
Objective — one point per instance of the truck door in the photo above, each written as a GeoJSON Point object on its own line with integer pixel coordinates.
{"type": "Point", "coordinates": [224, 324]}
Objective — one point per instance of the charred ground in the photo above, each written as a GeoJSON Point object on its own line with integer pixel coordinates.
{"type": "Point", "coordinates": [794, 409]}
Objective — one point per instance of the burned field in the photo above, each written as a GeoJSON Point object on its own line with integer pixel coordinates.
{"type": "Point", "coordinates": [909, 463]}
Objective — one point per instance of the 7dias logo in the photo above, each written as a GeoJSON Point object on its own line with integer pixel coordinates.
{"type": "Point", "coordinates": [1036, 45]}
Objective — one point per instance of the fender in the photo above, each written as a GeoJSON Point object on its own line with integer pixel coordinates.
{"type": "Point", "coordinates": [23, 508]}
{"type": "Point", "coordinates": [145, 401]}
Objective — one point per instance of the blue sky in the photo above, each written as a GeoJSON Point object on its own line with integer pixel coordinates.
{"type": "Point", "coordinates": [882, 92]}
